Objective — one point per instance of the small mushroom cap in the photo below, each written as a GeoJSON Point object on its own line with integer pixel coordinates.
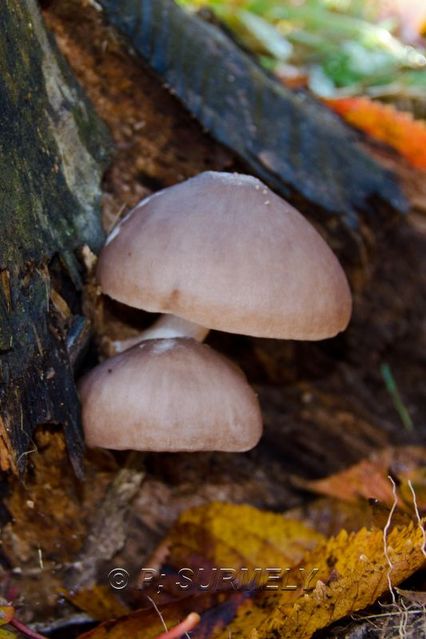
{"type": "Point", "coordinates": [224, 251]}
{"type": "Point", "coordinates": [169, 395]}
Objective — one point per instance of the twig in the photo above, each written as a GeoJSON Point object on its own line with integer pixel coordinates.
{"type": "Point", "coordinates": [181, 629]}
{"type": "Point", "coordinates": [158, 611]}
{"type": "Point", "coordinates": [396, 613]}
{"type": "Point", "coordinates": [107, 533]}
{"type": "Point", "coordinates": [385, 535]}
{"type": "Point", "coordinates": [25, 630]}
{"type": "Point", "coordinates": [419, 519]}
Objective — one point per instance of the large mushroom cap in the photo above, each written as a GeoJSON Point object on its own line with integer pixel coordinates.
{"type": "Point", "coordinates": [224, 251]}
{"type": "Point", "coordinates": [169, 395]}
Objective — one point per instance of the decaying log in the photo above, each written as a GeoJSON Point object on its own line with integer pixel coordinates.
{"type": "Point", "coordinates": [53, 149]}
{"type": "Point", "coordinates": [289, 139]}
{"type": "Point", "coordinates": [158, 144]}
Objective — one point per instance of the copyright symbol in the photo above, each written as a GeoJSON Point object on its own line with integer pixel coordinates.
{"type": "Point", "coordinates": [118, 578]}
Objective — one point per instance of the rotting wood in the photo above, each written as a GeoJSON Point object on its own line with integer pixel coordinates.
{"type": "Point", "coordinates": [53, 150]}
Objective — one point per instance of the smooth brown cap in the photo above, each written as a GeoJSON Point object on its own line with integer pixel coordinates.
{"type": "Point", "coordinates": [224, 251]}
{"type": "Point", "coordinates": [169, 395]}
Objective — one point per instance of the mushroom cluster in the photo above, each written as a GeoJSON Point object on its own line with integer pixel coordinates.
{"type": "Point", "coordinates": [218, 251]}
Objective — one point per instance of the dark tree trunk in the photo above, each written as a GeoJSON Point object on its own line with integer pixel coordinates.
{"type": "Point", "coordinates": [53, 149]}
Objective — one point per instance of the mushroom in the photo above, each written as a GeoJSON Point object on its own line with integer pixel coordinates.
{"type": "Point", "coordinates": [169, 395]}
{"type": "Point", "coordinates": [222, 251]}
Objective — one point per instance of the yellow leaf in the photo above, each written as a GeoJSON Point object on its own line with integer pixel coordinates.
{"type": "Point", "coordinates": [219, 535]}
{"type": "Point", "coordinates": [6, 614]}
{"type": "Point", "coordinates": [239, 536]}
{"type": "Point", "coordinates": [98, 602]}
{"type": "Point", "coordinates": [342, 574]}
{"type": "Point", "coordinates": [353, 571]}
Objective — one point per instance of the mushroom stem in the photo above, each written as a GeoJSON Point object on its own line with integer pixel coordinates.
{"type": "Point", "coordinates": [167, 326]}
{"type": "Point", "coordinates": [173, 326]}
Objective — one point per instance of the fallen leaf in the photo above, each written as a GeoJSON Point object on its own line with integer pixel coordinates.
{"type": "Point", "coordinates": [142, 624]}
{"type": "Point", "coordinates": [417, 478]}
{"type": "Point", "coordinates": [224, 536]}
{"type": "Point", "coordinates": [99, 602]}
{"type": "Point", "coordinates": [238, 536]}
{"type": "Point", "coordinates": [353, 571]}
{"type": "Point", "coordinates": [343, 574]}
{"type": "Point", "coordinates": [6, 614]}
{"type": "Point", "coordinates": [330, 515]}
{"type": "Point", "coordinates": [383, 122]}
{"type": "Point", "coordinates": [368, 479]}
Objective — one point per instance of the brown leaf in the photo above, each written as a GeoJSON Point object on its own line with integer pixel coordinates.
{"type": "Point", "coordinates": [330, 515]}
{"type": "Point", "coordinates": [142, 624]}
{"type": "Point", "coordinates": [417, 477]}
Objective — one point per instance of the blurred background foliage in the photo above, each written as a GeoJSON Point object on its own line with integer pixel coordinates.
{"type": "Point", "coordinates": [336, 48]}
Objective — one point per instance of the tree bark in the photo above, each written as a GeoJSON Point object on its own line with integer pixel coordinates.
{"type": "Point", "coordinates": [53, 149]}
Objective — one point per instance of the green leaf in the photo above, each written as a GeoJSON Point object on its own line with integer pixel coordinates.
{"type": "Point", "coordinates": [266, 35]}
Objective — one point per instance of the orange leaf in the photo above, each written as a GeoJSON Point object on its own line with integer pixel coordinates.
{"type": "Point", "coordinates": [369, 477]}
{"type": "Point", "coordinates": [397, 129]}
